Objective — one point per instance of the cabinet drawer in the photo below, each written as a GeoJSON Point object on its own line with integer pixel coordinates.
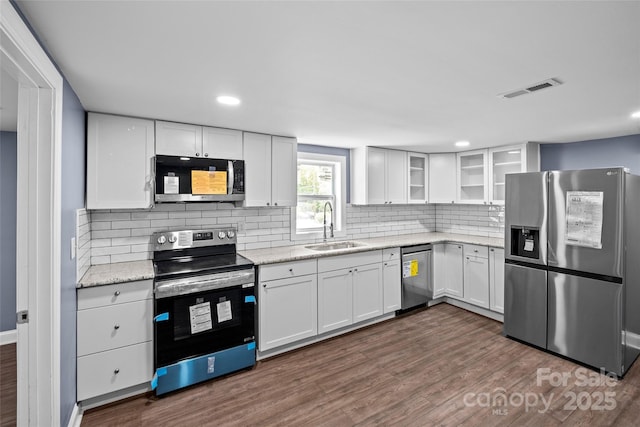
{"type": "Point", "coordinates": [476, 250]}
{"type": "Point", "coordinates": [287, 269]}
{"type": "Point", "coordinates": [351, 260]}
{"type": "Point", "coordinates": [100, 296]}
{"type": "Point", "coordinates": [120, 325]}
{"type": "Point", "coordinates": [102, 373]}
{"type": "Point", "coordinates": [390, 254]}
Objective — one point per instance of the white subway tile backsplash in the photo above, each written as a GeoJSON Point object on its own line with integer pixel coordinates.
{"type": "Point", "coordinates": [118, 236]}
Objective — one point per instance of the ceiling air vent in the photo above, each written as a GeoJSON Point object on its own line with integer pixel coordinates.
{"type": "Point", "coordinates": [533, 88]}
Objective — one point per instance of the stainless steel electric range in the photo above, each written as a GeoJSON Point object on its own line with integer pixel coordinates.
{"type": "Point", "coordinates": [204, 308]}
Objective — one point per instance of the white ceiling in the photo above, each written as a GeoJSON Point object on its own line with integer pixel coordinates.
{"type": "Point", "coordinates": [411, 74]}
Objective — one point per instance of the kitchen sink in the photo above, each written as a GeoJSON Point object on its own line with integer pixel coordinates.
{"type": "Point", "coordinates": [322, 247]}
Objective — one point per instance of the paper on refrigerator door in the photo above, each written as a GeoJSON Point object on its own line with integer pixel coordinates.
{"type": "Point", "coordinates": [200, 317]}
{"type": "Point", "coordinates": [584, 218]}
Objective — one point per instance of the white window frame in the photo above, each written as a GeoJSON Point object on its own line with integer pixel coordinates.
{"type": "Point", "coordinates": [339, 208]}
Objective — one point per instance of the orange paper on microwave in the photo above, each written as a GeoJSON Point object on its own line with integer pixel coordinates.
{"type": "Point", "coordinates": [206, 182]}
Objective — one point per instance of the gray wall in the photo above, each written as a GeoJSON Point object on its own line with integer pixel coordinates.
{"type": "Point", "coordinates": [8, 186]}
{"type": "Point", "coordinates": [73, 191]}
{"type": "Point", "coordinates": [598, 153]}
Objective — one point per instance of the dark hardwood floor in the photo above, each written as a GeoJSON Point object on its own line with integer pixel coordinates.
{"type": "Point", "coordinates": [8, 385]}
{"type": "Point", "coordinates": [441, 366]}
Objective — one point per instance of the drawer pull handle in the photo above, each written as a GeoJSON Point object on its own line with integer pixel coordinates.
{"type": "Point", "coordinates": [116, 293]}
{"type": "Point", "coordinates": [116, 371]}
{"type": "Point", "coordinates": [116, 326]}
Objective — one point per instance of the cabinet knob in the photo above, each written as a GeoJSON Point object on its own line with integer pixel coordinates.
{"type": "Point", "coordinates": [355, 269]}
{"type": "Point", "coordinates": [491, 249]}
{"type": "Point", "coordinates": [385, 263]}
{"type": "Point", "coordinates": [275, 204]}
{"type": "Point", "coordinates": [206, 154]}
{"type": "Point", "coordinates": [475, 250]}
{"type": "Point", "coordinates": [350, 271]}
{"type": "Point", "coordinates": [291, 270]}
{"type": "Point", "coordinates": [390, 202]}
{"type": "Point", "coordinates": [116, 371]}
{"type": "Point", "coordinates": [116, 293]}
{"type": "Point", "coordinates": [197, 154]}
{"type": "Point", "coordinates": [116, 326]}
{"type": "Point", "coordinates": [267, 203]}
{"type": "Point", "coordinates": [264, 285]}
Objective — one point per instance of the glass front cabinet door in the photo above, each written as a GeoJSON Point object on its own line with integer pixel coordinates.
{"type": "Point", "coordinates": [418, 171]}
{"type": "Point", "coordinates": [472, 177]}
{"type": "Point", "coordinates": [502, 161]}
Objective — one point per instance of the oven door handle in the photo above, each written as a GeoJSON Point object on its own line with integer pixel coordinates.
{"type": "Point", "coordinates": [190, 285]}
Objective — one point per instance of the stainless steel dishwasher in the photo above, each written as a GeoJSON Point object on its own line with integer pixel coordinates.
{"type": "Point", "coordinates": [417, 278]}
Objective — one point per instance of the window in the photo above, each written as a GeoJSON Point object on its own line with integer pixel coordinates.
{"type": "Point", "coordinates": [321, 180]}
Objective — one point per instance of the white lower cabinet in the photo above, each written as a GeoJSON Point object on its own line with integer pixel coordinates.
{"type": "Point", "coordinates": [453, 270]}
{"type": "Point", "coordinates": [288, 303]}
{"type": "Point", "coordinates": [391, 282]}
{"type": "Point", "coordinates": [335, 299]}
{"type": "Point", "coordinates": [476, 275]}
{"type": "Point", "coordinates": [114, 338]}
{"type": "Point", "coordinates": [496, 279]}
{"type": "Point", "coordinates": [367, 292]}
{"type": "Point", "coordinates": [349, 289]}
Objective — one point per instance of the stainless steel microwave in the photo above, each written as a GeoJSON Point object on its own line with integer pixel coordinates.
{"type": "Point", "coordinates": [196, 179]}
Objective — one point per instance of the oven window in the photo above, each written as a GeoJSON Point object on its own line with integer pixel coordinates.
{"type": "Point", "coordinates": [206, 312]}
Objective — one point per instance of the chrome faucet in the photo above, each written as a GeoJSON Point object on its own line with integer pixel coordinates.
{"type": "Point", "coordinates": [324, 220]}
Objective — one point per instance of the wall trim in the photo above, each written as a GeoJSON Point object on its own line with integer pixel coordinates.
{"type": "Point", "coordinates": [76, 417]}
{"type": "Point", "coordinates": [8, 337]}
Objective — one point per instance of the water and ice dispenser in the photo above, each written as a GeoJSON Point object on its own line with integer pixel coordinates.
{"type": "Point", "coordinates": [525, 242]}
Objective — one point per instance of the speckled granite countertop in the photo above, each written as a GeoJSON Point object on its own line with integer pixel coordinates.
{"type": "Point", "coordinates": [298, 252]}
{"type": "Point", "coordinates": [107, 274]}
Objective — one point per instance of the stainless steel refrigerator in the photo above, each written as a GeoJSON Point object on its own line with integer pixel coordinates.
{"type": "Point", "coordinates": [572, 264]}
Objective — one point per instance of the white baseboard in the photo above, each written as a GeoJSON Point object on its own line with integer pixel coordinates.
{"type": "Point", "coordinates": [633, 340]}
{"type": "Point", "coordinates": [76, 417]}
{"type": "Point", "coordinates": [8, 337]}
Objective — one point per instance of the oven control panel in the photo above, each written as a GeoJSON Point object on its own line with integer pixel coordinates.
{"type": "Point", "coordinates": [167, 240]}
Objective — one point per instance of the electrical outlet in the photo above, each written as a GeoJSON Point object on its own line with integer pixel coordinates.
{"type": "Point", "coordinates": [241, 227]}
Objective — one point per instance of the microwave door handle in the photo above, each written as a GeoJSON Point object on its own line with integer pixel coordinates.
{"type": "Point", "coordinates": [230, 177]}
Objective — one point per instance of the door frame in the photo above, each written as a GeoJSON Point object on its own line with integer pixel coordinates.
{"type": "Point", "coordinates": [38, 219]}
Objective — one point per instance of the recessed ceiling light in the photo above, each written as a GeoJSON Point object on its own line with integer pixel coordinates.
{"type": "Point", "coordinates": [462, 144]}
{"type": "Point", "coordinates": [228, 100]}
{"type": "Point", "coordinates": [636, 115]}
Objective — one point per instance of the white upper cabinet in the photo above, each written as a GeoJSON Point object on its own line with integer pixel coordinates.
{"type": "Point", "coordinates": [180, 139]}
{"type": "Point", "coordinates": [119, 157]}
{"type": "Point", "coordinates": [379, 176]}
{"type": "Point", "coordinates": [473, 177]}
{"type": "Point", "coordinates": [284, 171]}
{"type": "Point", "coordinates": [270, 170]}
{"type": "Point", "coordinates": [396, 176]}
{"type": "Point", "coordinates": [442, 178]}
{"type": "Point", "coordinates": [219, 143]}
{"type": "Point", "coordinates": [417, 176]}
{"type": "Point", "coordinates": [505, 160]}
{"type": "Point", "coordinates": [257, 169]}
